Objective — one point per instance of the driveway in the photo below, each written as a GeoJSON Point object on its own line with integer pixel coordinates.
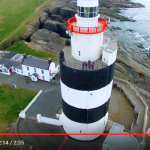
{"type": "Point", "coordinates": [20, 81]}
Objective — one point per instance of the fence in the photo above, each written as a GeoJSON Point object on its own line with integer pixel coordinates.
{"type": "Point", "coordinates": [140, 98]}
{"type": "Point", "coordinates": [79, 66]}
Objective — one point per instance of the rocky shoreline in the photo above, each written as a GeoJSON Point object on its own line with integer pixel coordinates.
{"type": "Point", "coordinates": [48, 32]}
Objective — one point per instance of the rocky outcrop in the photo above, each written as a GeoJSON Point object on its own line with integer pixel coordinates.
{"type": "Point", "coordinates": [56, 26]}
{"type": "Point", "coordinates": [46, 40]}
{"type": "Point", "coordinates": [67, 12]}
{"type": "Point", "coordinates": [33, 27]}
{"type": "Point", "coordinates": [43, 17]}
{"type": "Point", "coordinates": [47, 10]}
{"type": "Point", "coordinates": [57, 18]}
{"type": "Point", "coordinates": [119, 3]}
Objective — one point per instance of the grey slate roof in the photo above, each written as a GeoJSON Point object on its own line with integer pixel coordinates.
{"type": "Point", "coordinates": [3, 61]}
{"type": "Point", "coordinates": [35, 74]}
{"type": "Point", "coordinates": [19, 67]}
{"type": "Point", "coordinates": [10, 55]}
{"type": "Point", "coordinates": [37, 63]}
{"type": "Point", "coordinates": [15, 63]}
{"type": "Point", "coordinates": [9, 63]}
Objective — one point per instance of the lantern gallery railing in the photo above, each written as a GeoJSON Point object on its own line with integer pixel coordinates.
{"type": "Point", "coordinates": [87, 30]}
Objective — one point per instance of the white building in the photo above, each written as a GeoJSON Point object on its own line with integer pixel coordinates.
{"type": "Point", "coordinates": [36, 68]}
{"type": "Point", "coordinates": [9, 62]}
{"type": "Point", "coordinates": [43, 68]}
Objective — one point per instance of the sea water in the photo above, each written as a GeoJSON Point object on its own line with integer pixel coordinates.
{"type": "Point", "coordinates": [141, 28]}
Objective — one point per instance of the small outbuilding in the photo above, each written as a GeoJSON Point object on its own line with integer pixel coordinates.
{"type": "Point", "coordinates": [35, 77]}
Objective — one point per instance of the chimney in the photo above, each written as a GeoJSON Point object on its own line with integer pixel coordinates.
{"type": "Point", "coordinates": [24, 55]}
{"type": "Point", "coordinates": [49, 60]}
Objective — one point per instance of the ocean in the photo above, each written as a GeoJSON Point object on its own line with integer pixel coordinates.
{"type": "Point", "coordinates": [141, 28]}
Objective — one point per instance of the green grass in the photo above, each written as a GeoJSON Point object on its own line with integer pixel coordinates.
{"type": "Point", "coordinates": [21, 47]}
{"type": "Point", "coordinates": [121, 75]}
{"type": "Point", "coordinates": [12, 101]}
{"type": "Point", "coordinates": [47, 4]}
{"type": "Point", "coordinates": [15, 14]}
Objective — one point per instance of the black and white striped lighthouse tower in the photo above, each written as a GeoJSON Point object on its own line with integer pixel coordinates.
{"type": "Point", "coordinates": [86, 92]}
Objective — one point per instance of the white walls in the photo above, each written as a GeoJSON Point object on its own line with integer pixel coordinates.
{"type": "Point", "coordinates": [5, 70]}
{"type": "Point", "coordinates": [87, 3]}
{"type": "Point", "coordinates": [74, 127]}
{"type": "Point", "coordinates": [80, 99]}
{"type": "Point", "coordinates": [44, 77]}
{"type": "Point", "coordinates": [109, 57]}
{"type": "Point", "coordinates": [88, 46]}
{"type": "Point", "coordinates": [87, 22]}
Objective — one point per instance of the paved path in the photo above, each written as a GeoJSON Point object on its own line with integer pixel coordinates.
{"type": "Point", "coordinates": [48, 104]}
{"type": "Point", "coordinates": [139, 107]}
{"type": "Point", "coordinates": [20, 81]}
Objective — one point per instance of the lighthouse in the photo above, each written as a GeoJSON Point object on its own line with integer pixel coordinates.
{"type": "Point", "coordinates": [86, 91]}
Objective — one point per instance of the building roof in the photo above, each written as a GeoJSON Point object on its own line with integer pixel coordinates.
{"type": "Point", "coordinates": [36, 62]}
{"type": "Point", "coordinates": [35, 74]}
{"type": "Point", "coordinates": [19, 67]}
{"type": "Point", "coordinates": [121, 142]}
{"type": "Point", "coordinates": [3, 61]}
{"type": "Point", "coordinates": [15, 63]}
{"type": "Point", "coordinates": [9, 63]}
{"type": "Point", "coordinates": [10, 55]}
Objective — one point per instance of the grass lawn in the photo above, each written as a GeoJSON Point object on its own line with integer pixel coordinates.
{"type": "Point", "coordinates": [12, 101]}
{"type": "Point", "coordinates": [21, 47]}
{"type": "Point", "coordinates": [15, 14]}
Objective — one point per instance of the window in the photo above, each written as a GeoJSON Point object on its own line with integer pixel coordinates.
{"type": "Point", "coordinates": [34, 69]}
{"type": "Point", "coordinates": [87, 12]}
{"type": "Point", "coordinates": [28, 73]}
{"type": "Point", "coordinates": [27, 68]}
{"type": "Point", "coordinates": [21, 71]}
{"type": "Point", "coordinates": [42, 71]}
{"type": "Point", "coordinates": [43, 77]}
{"type": "Point", "coordinates": [5, 70]}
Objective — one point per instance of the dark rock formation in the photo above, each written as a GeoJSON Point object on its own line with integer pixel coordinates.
{"type": "Point", "coordinates": [56, 26]}
{"type": "Point", "coordinates": [67, 12]}
{"type": "Point", "coordinates": [112, 28]}
{"type": "Point", "coordinates": [140, 45]}
{"type": "Point", "coordinates": [57, 18]}
{"type": "Point", "coordinates": [31, 29]}
{"type": "Point", "coordinates": [51, 25]}
{"type": "Point", "coordinates": [43, 17]}
{"type": "Point", "coordinates": [47, 10]}
{"type": "Point", "coordinates": [46, 40]}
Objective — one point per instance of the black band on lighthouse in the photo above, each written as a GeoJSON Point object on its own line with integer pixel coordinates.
{"type": "Point", "coordinates": [85, 115]}
{"type": "Point", "coordinates": [86, 80]}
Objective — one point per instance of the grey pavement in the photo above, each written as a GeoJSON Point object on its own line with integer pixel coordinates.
{"type": "Point", "coordinates": [20, 81]}
{"type": "Point", "coordinates": [53, 142]}
{"type": "Point", "coordinates": [47, 104]}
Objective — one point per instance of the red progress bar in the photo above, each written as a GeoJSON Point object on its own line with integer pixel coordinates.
{"type": "Point", "coordinates": [71, 134]}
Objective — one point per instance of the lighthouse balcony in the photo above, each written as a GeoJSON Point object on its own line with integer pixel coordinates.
{"type": "Point", "coordinates": [101, 27]}
{"type": "Point", "coordinates": [71, 62]}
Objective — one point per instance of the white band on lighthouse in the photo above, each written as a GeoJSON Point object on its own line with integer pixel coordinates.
{"type": "Point", "coordinates": [87, 3]}
{"type": "Point", "coordinates": [86, 77]}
